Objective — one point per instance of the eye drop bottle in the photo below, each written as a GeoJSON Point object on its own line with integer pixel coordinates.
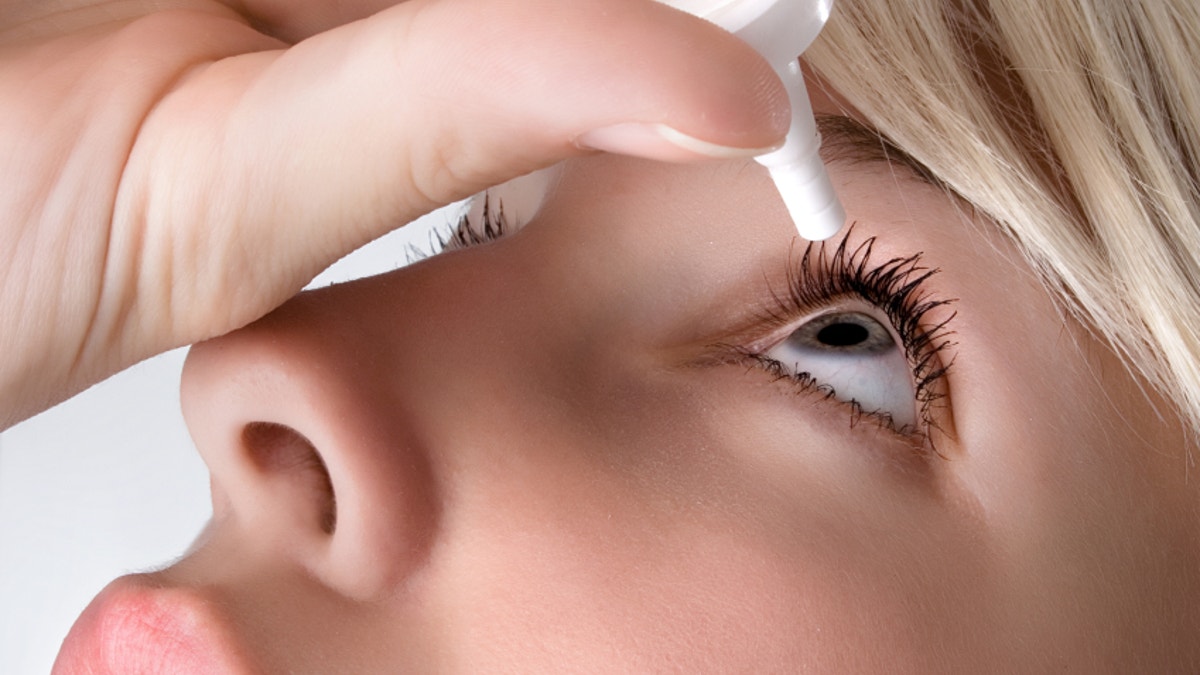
{"type": "Point", "coordinates": [780, 30]}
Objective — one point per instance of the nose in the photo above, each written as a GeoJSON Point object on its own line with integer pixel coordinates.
{"type": "Point", "coordinates": [306, 422]}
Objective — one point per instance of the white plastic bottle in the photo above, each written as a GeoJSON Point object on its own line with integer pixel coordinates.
{"type": "Point", "coordinates": [781, 30]}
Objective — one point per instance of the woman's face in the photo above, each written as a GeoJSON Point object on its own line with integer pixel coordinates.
{"type": "Point", "coordinates": [585, 445]}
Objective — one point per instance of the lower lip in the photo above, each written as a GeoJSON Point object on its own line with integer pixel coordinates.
{"type": "Point", "coordinates": [136, 625]}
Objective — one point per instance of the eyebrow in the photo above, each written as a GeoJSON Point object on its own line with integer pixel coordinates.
{"type": "Point", "coordinates": [849, 140]}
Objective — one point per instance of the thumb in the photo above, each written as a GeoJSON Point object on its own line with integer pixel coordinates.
{"type": "Point", "coordinates": [267, 167]}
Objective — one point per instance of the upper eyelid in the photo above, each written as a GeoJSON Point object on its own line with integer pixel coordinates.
{"type": "Point", "coordinates": [784, 325]}
{"type": "Point", "coordinates": [774, 308]}
{"type": "Point", "coordinates": [766, 321]}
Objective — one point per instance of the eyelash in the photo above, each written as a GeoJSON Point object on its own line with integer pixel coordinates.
{"type": "Point", "coordinates": [463, 233]}
{"type": "Point", "coordinates": [493, 225]}
{"type": "Point", "coordinates": [895, 287]}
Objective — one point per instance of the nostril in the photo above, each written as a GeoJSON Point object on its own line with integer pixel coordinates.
{"type": "Point", "coordinates": [279, 450]}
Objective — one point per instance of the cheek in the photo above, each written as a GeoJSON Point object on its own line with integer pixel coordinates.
{"type": "Point", "coordinates": [703, 525]}
{"type": "Point", "coordinates": [679, 598]}
{"type": "Point", "coordinates": [1036, 406]}
{"type": "Point", "coordinates": [1062, 452]}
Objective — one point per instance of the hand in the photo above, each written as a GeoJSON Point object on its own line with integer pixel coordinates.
{"type": "Point", "coordinates": [175, 173]}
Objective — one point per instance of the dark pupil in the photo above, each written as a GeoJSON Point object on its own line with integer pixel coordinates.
{"type": "Point", "coordinates": [843, 335]}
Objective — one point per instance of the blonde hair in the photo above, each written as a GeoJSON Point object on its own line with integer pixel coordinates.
{"type": "Point", "coordinates": [1075, 125]}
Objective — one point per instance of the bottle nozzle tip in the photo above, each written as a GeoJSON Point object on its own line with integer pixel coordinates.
{"type": "Point", "coordinates": [820, 225]}
{"type": "Point", "coordinates": [810, 198]}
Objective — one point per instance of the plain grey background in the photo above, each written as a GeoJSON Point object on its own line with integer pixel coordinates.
{"type": "Point", "coordinates": [108, 483]}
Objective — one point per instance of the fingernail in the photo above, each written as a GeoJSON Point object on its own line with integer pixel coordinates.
{"type": "Point", "coordinates": [659, 141]}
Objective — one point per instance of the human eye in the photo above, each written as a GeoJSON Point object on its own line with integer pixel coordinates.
{"type": "Point", "coordinates": [859, 332]}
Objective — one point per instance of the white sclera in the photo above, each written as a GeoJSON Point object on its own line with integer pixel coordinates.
{"type": "Point", "coordinates": [874, 372]}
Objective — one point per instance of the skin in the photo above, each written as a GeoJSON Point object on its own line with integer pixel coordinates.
{"type": "Point", "coordinates": [534, 467]}
{"type": "Point", "coordinates": [523, 453]}
{"type": "Point", "coordinates": [190, 164]}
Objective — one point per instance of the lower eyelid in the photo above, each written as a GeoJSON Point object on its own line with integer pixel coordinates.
{"type": "Point", "coordinates": [780, 372]}
{"type": "Point", "coordinates": [908, 449]}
